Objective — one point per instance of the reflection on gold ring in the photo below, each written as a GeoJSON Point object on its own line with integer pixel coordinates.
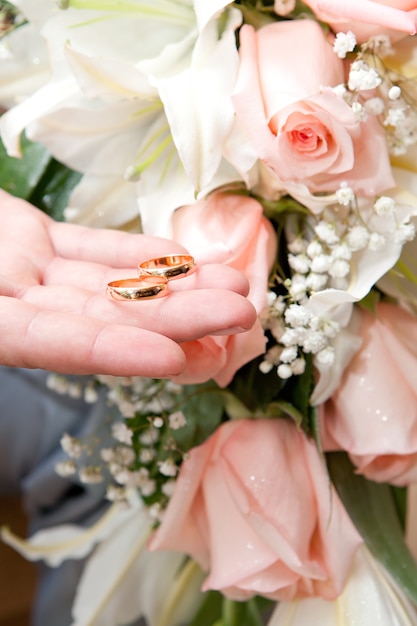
{"type": "Point", "coordinates": [171, 267]}
{"type": "Point", "coordinates": [143, 288]}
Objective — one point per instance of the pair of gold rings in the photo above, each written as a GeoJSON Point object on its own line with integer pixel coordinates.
{"type": "Point", "coordinates": [153, 278]}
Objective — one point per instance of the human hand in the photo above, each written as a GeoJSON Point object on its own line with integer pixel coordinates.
{"type": "Point", "coordinates": [54, 313]}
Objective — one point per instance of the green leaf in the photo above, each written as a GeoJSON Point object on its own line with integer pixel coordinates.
{"type": "Point", "coordinates": [255, 389]}
{"type": "Point", "coordinates": [203, 407]}
{"type": "Point", "coordinates": [210, 611]}
{"type": "Point", "coordinates": [21, 176]}
{"type": "Point", "coordinates": [373, 510]}
{"type": "Point", "coordinates": [297, 392]}
{"type": "Point", "coordinates": [38, 178]}
{"type": "Point", "coordinates": [54, 188]}
{"type": "Point", "coordinates": [370, 301]}
{"type": "Point", "coordinates": [278, 409]}
{"type": "Point", "coordinates": [248, 613]}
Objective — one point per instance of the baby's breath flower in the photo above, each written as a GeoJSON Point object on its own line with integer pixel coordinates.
{"type": "Point", "coordinates": [146, 455]}
{"type": "Point", "coordinates": [124, 455]}
{"type": "Point", "coordinates": [149, 436]}
{"type": "Point", "coordinates": [340, 90]}
{"type": "Point", "coordinates": [122, 433]}
{"type": "Point", "coordinates": [177, 420]}
{"type": "Point", "coordinates": [395, 117]}
{"type": "Point", "coordinates": [57, 383]}
{"type": "Point", "coordinates": [158, 422]}
{"type": "Point", "coordinates": [298, 366]}
{"type": "Point", "coordinates": [75, 390]}
{"type": "Point", "coordinates": [284, 371]}
{"type": "Point", "coordinates": [299, 263]}
{"type": "Point", "coordinates": [66, 468]}
{"type": "Point", "coordinates": [115, 493]}
{"type": "Point", "coordinates": [385, 205]}
{"type": "Point", "coordinates": [148, 487]}
{"type": "Point", "coordinates": [316, 282]}
{"type": "Point", "coordinates": [289, 354]}
{"type": "Point", "coordinates": [297, 315]}
{"type": "Point", "coordinates": [394, 93]}
{"type": "Point", "coordinates": [266, 366]}
{"type": "Point", "coordinates": [168, 487]}
{"type": "Point", "coordinates": [314, 341]}
{"type": "Point", "coordinates": [90, 474]}
{"type": "Point", "coordinates": [345, 195]}
{"type": "Point", "coordinates": [321, 263]}
{"type": "Point", "coordinates": [90, 394]}
{"type": "Point", "coordinates": [297, 246]}
{"type": "Point", "coordinates": [168, 467]}
{"type": "Point", "coordinates": [326, 356]}
{"type": "Point", "coordinates": [297, 287]}
{"type": "Point", "coordinates": [344, 43]}
{"type": "Point", "coordinates": [156, 511]}
{"type": "Point", "coordinates": [326, 232]}
{"type": "Point", "coordinates": [342, 251]}
{"type": "Point", "coordinates": [314, 248]}
{"type": "Point", "coordinates": [362, 77]}
{"type": "Point", "coordinates": [107, 454]}
{"type": "Point", "coordinates": [376, 242]}
{"type": "Point", "coordinates": [357, 238]}
{"type": "Point", "coordinates": [375, 106]}
{"type": "Point", "coordinates": [71, 445]}
{"type": "Point", "coordinates": [339, 268]}
{"type": "Point", "coordinates": [359, 111]}
{"type": "Point", "coordinates": [404, 233]}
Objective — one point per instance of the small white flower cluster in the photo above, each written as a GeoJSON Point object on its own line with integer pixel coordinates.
{"type": "Point", "coordinates": [76, 449]}
{"type": "Point", "coordinates": [136, 461]}
{"type": "Point", "coordinates": [322, 259]}
{"type": "Point", "coordinates": [300, 333]}
{"type": "Point", "coordinates": [371, 89]}
{"type": "Point", "coordinates": [73, 388]}
{"type": "Point", "coordinates": [140, 395]}
{"type": "Point", "coordinates": [344, 43]}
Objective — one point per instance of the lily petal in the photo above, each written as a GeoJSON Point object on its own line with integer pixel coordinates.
{"type": "Point", "coordinates": [54, 545]}
{"type": "Point", "coordinates": [369, 597]}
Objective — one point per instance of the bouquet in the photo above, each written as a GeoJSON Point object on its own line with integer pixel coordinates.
{"type": "Point", "coordinates": [269, 480]}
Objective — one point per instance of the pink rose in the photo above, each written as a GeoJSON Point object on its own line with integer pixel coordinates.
{"type": "Point", "coordinates": [299, 127]}
{"type": "Point", "coordinates": [373, 414]}
{"type": "Point", "coordinates": [228, 229]}
{"type": "Point", "coordinates": [366, 17]}
{"type": "Point", "coordinates": [254, 507]}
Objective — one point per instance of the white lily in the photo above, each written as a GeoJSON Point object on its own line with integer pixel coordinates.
{"type": "Point", "coordinates": [122, 580]}
{"type": "Point", "coordinates": [24, 65]}
{"type": "Point", "coordinates": [369, 597]}
{"type": "Point", "coordinates": [148, 107]}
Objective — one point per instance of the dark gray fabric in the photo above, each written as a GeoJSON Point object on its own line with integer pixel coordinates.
{"type": "Point", "coordinates": [32, 421]}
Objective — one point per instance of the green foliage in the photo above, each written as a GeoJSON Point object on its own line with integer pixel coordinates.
{"type": "Point", "coordinates": [297, 392]}
{"type": "Point", "coordinates": [216, 610]}
{"type": "Point", "coordinates": [202, 406]}
{"type": "Point", "coordinates": [38, 178]}
{"type": "Point", "coordinates": [375, 512]}
{"type": "Point", "coordinates": [255, 389]}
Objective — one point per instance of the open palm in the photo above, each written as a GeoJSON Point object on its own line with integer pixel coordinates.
{"type": "Point", "coordinates": [54, 313]}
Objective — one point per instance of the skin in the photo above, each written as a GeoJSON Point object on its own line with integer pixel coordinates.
{"type": "Point", "coordinates": [54, 313]}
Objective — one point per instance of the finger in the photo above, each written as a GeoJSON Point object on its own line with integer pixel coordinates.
{"type": "Point", "coordinates": [181, 316]}
{"type": "Point", "coordinates": [74, 344]}
{"type": "Point", "coordinates": [94, 276]}
{"type": "Point", "coordinates": [110, 247]}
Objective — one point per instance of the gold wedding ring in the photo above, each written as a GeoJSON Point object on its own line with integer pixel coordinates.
{"type": "Point", "coordinates": [171, 267]}
{"type": "Point", "coordinates": [143, 288]}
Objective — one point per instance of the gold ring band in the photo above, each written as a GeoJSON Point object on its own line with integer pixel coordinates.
{"type": "Point", "coordinates": [171, 267]}
{"type": "Point", "coordinates": [142, 288]}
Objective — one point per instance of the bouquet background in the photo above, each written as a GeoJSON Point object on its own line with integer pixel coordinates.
{"type": "Point", "coordinates": [278, 138]}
